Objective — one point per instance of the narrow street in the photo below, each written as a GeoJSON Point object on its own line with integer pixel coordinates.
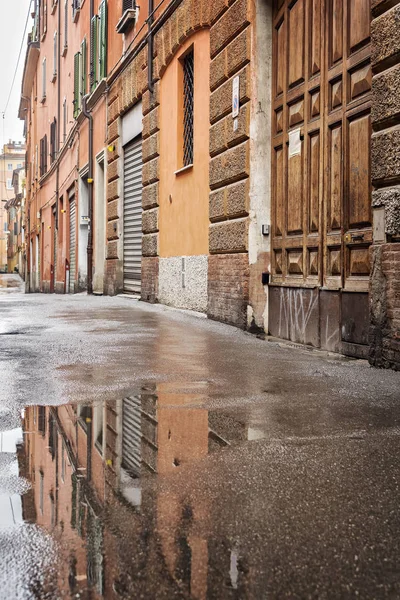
{"type": "Point", "coordinates": [148, 453]}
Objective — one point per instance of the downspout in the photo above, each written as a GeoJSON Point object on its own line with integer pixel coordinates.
{"type": "Point", "coordinates": [58, 129]}
{"type": "Point", "coordinates": [89, 116]}
{"type": "Point", "coordinates": [150, 43]}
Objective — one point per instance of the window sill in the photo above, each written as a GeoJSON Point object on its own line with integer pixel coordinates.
{"type": "Point", "coordinates": [184, 170]}
{"type": "Point", "coordinates": [127, 21]}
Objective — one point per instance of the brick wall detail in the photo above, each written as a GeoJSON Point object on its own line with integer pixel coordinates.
{"type": "Point", "coordinates": [228, 288]}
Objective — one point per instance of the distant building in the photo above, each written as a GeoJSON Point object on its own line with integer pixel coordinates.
{"type": "Point", "coordinates": [12, 157]}
{"type": "Point", "coordinates": [16, 250]}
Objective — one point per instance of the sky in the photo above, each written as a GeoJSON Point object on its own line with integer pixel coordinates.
{"type": "Point", "coordinates": [12, 23]}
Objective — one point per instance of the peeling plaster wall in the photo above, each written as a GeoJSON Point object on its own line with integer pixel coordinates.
{"type": "Point", "coordinates": [183, 282]}
{"type": "Point", "coordinates": [260, 164]}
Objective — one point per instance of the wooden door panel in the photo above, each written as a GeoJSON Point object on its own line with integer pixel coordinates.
{"type": "Point", "coordinates": [279, 191]}
{"type": "Point", "coordinates": [335, 171]}
{"type": "Point", "coordinates": [314, 181]}
{"type": "Point", "coordinates": [358, 179]}
{"type": "Point", "coordinates": [335, 25]}
{"type": "Point", "coordinates": [296, 43]}
{"type": "Point", "coordinates": [315, 27]}
{"type": "Point", "coordinates": [295, 194]}
{"type": "Point", "coordinates": [359, 23]}
{"type": "Point", "coordinates": [280, 63]}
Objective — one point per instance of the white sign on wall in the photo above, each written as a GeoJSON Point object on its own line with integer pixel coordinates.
{"type": "Point", "coordinates": [235, 97]}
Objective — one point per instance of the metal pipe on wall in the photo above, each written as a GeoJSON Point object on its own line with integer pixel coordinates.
{"type": "Point", "coordinates": [150, 47]}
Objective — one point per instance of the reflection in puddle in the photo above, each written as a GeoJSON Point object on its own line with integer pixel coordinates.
{"type": "Point", "coordinates": [94, 489]}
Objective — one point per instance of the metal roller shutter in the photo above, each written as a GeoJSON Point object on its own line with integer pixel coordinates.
{"type": "Point", "coordinates": [133, 216]}
{"type": "Point", "coordinates": [72, 245]}
{"type": "Point", "coordinates": [132, 436]}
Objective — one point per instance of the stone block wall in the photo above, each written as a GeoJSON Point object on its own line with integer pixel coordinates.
{"type": "Point", "coordinates": [228, 269]}
{"type": "Point", "coordinates": [230, 40]}
{"type": "Point", "coordinates": [385, 167]}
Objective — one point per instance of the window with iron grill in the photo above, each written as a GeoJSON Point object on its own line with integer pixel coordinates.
{"type": "Point", "coordinates": [188, 108]}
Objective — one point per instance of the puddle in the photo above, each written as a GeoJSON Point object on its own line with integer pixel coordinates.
{"type": "Point", "coordinates": [149, 496]}
{"type": "Point", "coordinates": [87, 476]}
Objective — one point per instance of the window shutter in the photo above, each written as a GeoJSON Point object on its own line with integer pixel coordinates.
{"type": "Point", "coordinates": [55, 54]}
{"type": "Point", "coordinates": [44, 17]}
{"type": "Point", "coordinates": [66, 24]}
{"type": "Point", "coordinates": [93, 52]}
{"type": "Point", "coordinates": [103, 16]}
{"type": "Point", "coordinates": [44, 79]}
{"type": "Point", "coordinates": [84, 67]}
{"type": "Point", "coordinates": [76, 84]}
{"type": "Point", "coordinates": [45, 152]}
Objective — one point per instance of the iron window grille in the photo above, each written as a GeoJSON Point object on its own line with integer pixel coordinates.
{"type": "Point", "coordinates": [188, 108]}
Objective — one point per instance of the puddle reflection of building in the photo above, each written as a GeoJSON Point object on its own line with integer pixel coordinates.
{"type": "Point", "coordinates": [119, 531]}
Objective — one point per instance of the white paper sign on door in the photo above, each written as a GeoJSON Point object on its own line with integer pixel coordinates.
{"type": "Point", "coordinates": [294, 142]}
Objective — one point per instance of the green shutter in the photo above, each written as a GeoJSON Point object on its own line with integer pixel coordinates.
{"type": "Point", "coordinates": [103, 16]}
{"type": "Point", "coordinates": [77, 104]}
{"type": "Point", "coordinates": [84, 67]}
{"type": "Point", "coordinates": [93, 52]}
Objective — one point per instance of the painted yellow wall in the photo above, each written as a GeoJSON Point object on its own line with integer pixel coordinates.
{"type": "Point", "coordinates": [184, 198]}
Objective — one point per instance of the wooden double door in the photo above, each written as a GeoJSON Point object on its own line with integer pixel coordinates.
{"type": "Point", "coordinates": [321, 209]}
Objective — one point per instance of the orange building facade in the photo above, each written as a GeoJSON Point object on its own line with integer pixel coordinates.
{"type": "Point", "coordinates": [218, 157]}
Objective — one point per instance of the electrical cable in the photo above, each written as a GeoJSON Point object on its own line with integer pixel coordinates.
{"type": "Point", "coordinates": [19, 57]}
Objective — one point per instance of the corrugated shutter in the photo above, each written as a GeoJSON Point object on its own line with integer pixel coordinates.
{"type": "Point", "coordinates": [133, 216]}
{"type": "Point", "coordinates": [72, 245]}
{"type": "Point", "coordinates": [132, 436]}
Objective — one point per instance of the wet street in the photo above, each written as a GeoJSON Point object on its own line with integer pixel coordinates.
{"type": "Point", "coordinates": [149, 453]}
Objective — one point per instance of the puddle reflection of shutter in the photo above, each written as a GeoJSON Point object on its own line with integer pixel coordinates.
{"type": "Point", "coordinates": [72, 244]}
{"type": "Point", "coordinates": [133, 216]}
{"type": "Point", "coordinates": [132, 436]}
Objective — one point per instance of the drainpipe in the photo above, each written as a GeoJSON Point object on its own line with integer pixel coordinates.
{"type": "Point", "coordinates": [89, 116]}
{"type": "Point", "coordinates": [150, 41]}
{"type": "Point", "coordinates": [58, 129]}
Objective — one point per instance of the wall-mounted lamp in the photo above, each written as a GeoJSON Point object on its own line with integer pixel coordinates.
{"type": "Point", "coordinates": [111, 148]}
{"type": "Point", "coordinates": [63, 211]}
{"type": "Point", "coordinates": [90, 180]}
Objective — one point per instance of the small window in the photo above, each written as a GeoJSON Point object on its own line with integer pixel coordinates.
{"type": "Point", "coordinates": [9, 184]}
{"type": "Point", "coordinates": [9, 167]}
{"type": "Point", "coordinates": [43, 155]}
{"type": "Point", "coordinates": [188, 108]}
{"type": "Point", "coordinates": [65, 25]}
{"type": "Point", "coordinates": [55, 56]}
{"type": "Point", "coordinates": [43, 20]}
{"type": "Point", "coordinates": [76, 6]}
{"type": "Point", "coordinates": [65, 119]}
{"type": "Point", "coordinates": [44, 80]}
{"type": "Point", "coordinates": [53, 141]}
{"type": "Point", "coordinates": [19, 166]}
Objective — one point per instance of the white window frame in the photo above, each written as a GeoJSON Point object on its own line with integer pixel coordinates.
{"type": "Point", "coordinates": [55, 56]}
{"type": "Point", "coordinates": [44, 86]}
